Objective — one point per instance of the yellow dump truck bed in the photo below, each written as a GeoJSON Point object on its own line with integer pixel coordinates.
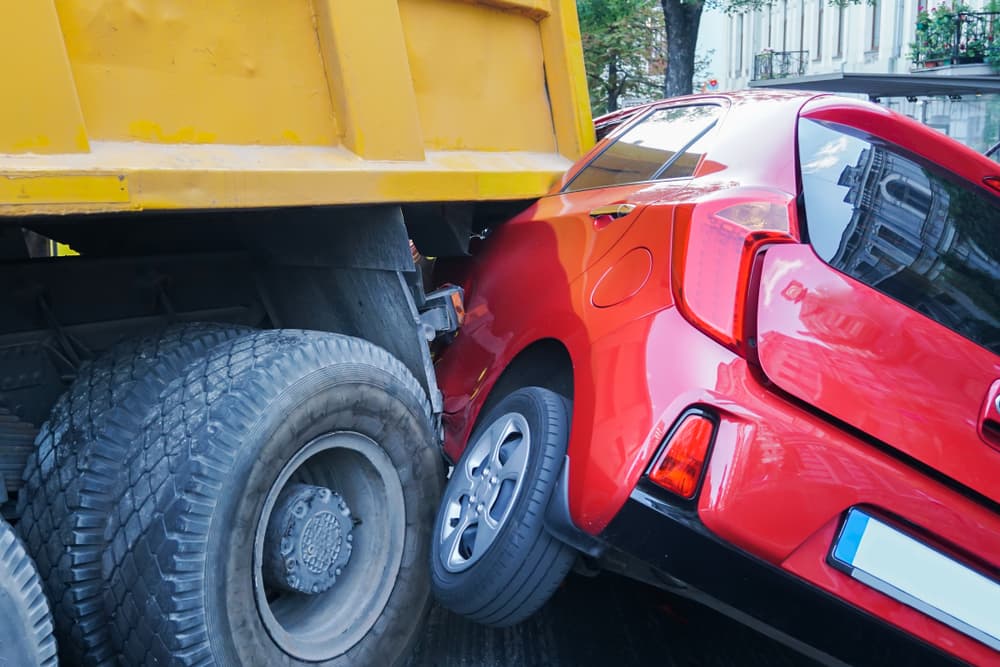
{"type": "Point", "coordinates": [165, 104]}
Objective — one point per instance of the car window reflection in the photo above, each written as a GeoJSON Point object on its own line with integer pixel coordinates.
{"type": "Point", "coordinates": [923, 238]}
{"type": "Point", "coordinates": [641, 152]}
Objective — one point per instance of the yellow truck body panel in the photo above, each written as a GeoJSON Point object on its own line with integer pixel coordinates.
{"type": "Point", "coordinates": [185, 104]}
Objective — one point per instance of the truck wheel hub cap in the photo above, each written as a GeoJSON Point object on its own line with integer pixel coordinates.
{"type": "Point", "coordinates": [308, 540]}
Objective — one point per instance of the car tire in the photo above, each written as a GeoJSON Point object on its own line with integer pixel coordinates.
{"type": "Point", "coordinates": [286, 519]}
{"type": "Point", "coordinates": [76, 474]}
{"type": "Point", "coordinates": [26, 637]}
{"type": "Point", "coordinates": [493, 561]}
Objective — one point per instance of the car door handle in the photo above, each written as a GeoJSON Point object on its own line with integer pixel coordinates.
{"type": "Point", "coordinates": [615, 211]}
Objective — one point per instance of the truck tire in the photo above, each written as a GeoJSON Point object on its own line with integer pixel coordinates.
{"type": "Point", "coordinates": [492, 559]}
{"type": "Point", "coordinates": [282, 511]}
{"type": "Point", "coordinates": [26, 638]}
{"type": "Point", "coordinates": [76, 473]}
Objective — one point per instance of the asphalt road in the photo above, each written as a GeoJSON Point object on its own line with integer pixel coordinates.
{"type": "Point", "coordinates": [605, 620]}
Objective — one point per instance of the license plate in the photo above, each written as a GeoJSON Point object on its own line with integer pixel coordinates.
{"type": "Point", "coordinates": [920, 576]}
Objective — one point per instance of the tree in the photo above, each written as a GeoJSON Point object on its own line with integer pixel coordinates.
{"type": "Point", "coordinates": [622, 48]}
{"type": "Point", "coordinates": [629, 53]}
{"type": "Point", "coordinates": [681, 19]}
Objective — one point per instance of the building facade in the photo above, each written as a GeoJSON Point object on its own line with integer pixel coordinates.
{"type": "Point", "coordinates": [792, 38]}
{"type": "Point", "coordinates": [818, 37]}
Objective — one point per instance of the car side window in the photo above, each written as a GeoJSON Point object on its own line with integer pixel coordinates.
{"type": "Point", "coordinates": [906, 228]}
{"type": "Point", "coordinates": [602, 130]}
{"type": "Point", "coordinates": [667, 143]}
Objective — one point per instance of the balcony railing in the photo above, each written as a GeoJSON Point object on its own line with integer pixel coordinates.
{"type": "Point", "coordinates": [779, 64]}
{"type": "Point", "coordinates": [955, 39]}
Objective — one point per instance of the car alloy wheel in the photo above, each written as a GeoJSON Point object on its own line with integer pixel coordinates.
{"type": "Point", "coordinates": [488, 480]}
{"type": "Point", "coordinates": [493, 560]}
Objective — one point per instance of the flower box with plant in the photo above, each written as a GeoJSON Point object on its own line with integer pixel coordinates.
{"type": "Point", "coordinates": [952, 34]}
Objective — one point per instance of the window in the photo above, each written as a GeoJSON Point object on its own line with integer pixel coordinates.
{"type": "Point", "coordinates": [784, 27]}
{"type": "Point", "coordinates": [607, 127]}
{"type": "Point", "coordinates": [668, 143]}
{"type": "Point", "coordinates": [874, 24]}
{"type": "Point", "coordinates": [819, 29]}
{"type": "Point", "coordinates": [906, 195]}
{"type": "Point", "coordinates": [917, 234]}
{"type": "Point", "coordinates": [839, 45]}
{"type": "Point", "coordinates": [897, 241]}
{"type": "Point", "coordinates": [739, 44]}
{"type": "Point", "coordinates": [770, 19]}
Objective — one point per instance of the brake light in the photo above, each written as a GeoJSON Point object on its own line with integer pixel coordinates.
{"type": "Point", "coordinates": [679, 466]}
{"type": "Point", "coordinates": [716, 242]}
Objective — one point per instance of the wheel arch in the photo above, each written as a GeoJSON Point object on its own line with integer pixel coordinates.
{"type": "Point", "coordinates": [545, 362]}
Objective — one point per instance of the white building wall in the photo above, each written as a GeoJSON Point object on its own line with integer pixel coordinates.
{"type": "Point", "coordinates": [792, 25]}
{"type": "Point", "coordinates": [715, 23]}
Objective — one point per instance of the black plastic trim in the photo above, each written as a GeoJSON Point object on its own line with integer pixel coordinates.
{"type": "Point", "coordinates": [677, 156]}
{"type": "Point", "coordinates": [673, 541]}
{"type": "Point", "coordinates": [559, 521]}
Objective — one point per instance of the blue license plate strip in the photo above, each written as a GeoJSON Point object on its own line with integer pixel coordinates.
{"type": "Point", "coordinates": [918, 575]}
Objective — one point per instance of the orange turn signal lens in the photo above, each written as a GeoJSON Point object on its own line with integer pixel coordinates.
{"type": "Point", "coordinates": [679, 466]}
{"type": "Point", "coordinates": [458, 303]}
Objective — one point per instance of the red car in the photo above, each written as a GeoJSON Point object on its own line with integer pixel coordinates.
{"type": "Point", "coordinates": [748, 350]}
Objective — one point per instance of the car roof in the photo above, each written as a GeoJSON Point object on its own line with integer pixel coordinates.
{"type": "Point", "coordinates": [761, 94]}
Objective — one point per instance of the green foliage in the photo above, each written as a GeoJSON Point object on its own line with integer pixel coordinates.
{"type": "Point", "coordinates": [975, 223]}
{"type": "Point", "coordinates": [992, 56]}
{"type": "Point", "coordinates": [951, 34]}
{"type": "Point", "coordinates": [625, 46]}
{"type": "Point", "coordinates": [935, 36]}
{"type": "Point", "coordinates": [975, 220]}
{"type": "Point", "coordinates": [624, 50]}
{"type": "Point", "coordinates": [702, 73]}
{"type": "Point", "coordinates": [736, 6]}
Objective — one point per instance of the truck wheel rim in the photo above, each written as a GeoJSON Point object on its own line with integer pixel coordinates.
{"type": "Point", "coordinates": [358, 473]}
{"type": "Point", "coordinates": [482, 492]}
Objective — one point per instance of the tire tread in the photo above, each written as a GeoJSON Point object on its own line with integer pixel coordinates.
{"type": "Point", "coordinates": [506, 588]}
{"type": "Point", "coordinates": [20, 584]}
{"type": "Point", "coordinates": [75, 473]}
{"type": "Point", "coordinates": [192, 438]}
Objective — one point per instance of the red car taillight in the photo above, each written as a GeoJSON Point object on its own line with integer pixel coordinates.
{"type": "Point", "coordinates": [715, 244]}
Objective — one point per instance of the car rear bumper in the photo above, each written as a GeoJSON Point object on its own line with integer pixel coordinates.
{"type": "Point", "coordinates": [779, 482]}
{"type": "Point", "coordinates": [651, 532]}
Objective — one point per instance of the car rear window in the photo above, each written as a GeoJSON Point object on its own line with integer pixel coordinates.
{"type": "Point", "coordinates": [904, 227]}
{"type": "Point", "coordinates": [667, 143]}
